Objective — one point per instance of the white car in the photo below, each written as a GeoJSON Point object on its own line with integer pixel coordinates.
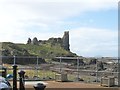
{"type": "Point", "coordinates": [4, 84]}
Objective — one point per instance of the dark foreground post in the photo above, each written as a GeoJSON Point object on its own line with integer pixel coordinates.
{"type": "Point", "coordinates": [21, 80]}
{"type": "Point", "coordinates": [14, 77]}
{"type": "Point", "coordinates": [39, 86]}
{"type": "Point", "coordinates": [4, 72]}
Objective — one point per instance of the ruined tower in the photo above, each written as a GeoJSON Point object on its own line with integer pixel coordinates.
{"type": "Point", "coordinates": [35, 41]}
{"type": "Point", "coordinates": [29, 41]}
{"type": "Point", "coordinates": [63, 42]}
{"type": "Point", "coordinates": [66, 40]}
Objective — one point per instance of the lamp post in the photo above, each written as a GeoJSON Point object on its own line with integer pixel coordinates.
{"type": "Point", "coordinates": [119, 44]}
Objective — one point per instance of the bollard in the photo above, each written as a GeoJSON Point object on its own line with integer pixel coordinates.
{"type": "Point", "coordinates": [4, 72]}
{"type": "Point", "coordinates": [14, 77]}
{"type": "Point", "coordinates": [21, 80]}
{"type": "Point", "coordinates": [39, 86]}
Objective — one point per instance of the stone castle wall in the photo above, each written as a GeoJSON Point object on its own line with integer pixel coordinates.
{"type": "Point", "coordinates": [64, 41]}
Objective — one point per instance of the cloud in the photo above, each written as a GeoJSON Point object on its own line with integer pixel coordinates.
{"type": "Point", "coordinates": [94, 41]}
{"type": "Point", "coordinates": [20, 19]}
{"type": "Point", "coordinates": [14, 11]}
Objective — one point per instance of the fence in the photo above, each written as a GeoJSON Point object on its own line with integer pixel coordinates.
{"type": "Point", "coordinates": [37, 68]}
{"type": "Point", "coordinates": [87, 73]}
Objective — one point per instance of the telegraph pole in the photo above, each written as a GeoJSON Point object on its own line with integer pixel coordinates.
{"type": "Point", "coordinates": [118, 44]}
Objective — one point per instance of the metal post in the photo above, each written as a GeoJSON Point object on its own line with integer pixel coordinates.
{"type": "Point", "coordinates": [14, 59]}
{"type": "Point", "coordinates": [96, 70]}
{"type": "Point", "coordinates": [14, 77]}
{"type": "Point", "coordinates": [60, 65]}
{"type": "Point", "coordinates": [37, 66]}
{"type": "Point", "coordinates": [78, 68]}
{"type": "Point", "coordinates": [4, 72]}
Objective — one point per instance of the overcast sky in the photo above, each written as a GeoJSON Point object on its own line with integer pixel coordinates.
{"type": "Point", "coordinates": [92, 24]}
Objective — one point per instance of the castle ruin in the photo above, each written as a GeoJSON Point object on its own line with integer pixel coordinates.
{"type": "Point", "coordinates": [64, 41]}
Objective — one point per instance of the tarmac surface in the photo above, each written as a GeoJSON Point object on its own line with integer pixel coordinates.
{"type": "Point", "coordinates": [53, 85]}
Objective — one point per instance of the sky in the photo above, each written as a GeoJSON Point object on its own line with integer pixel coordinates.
{"type": "Point", "coordinates": [92, 24]}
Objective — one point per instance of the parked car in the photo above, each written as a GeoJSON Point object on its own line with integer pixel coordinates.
{"type": "Point", "coordinates": [4, 84]}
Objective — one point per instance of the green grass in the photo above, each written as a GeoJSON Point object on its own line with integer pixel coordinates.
{"type": "Point", "coordinates": [71, 77]}
{"type": "Point", "coordinates": [43, 74]}
{"type": "Point", "coordinates": [46, 51]}
{"type": "Point", "coordinates": [39, 73]}
{"type": "Point", "coordinates": [47, 73]}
